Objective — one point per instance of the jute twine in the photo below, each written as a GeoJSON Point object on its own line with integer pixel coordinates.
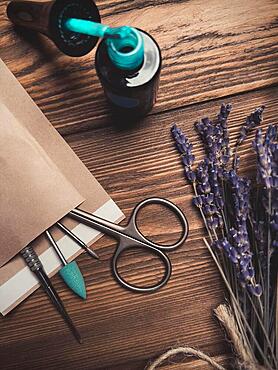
{"type": "Point", "coordinates": [200, 355]}
{"type": "Point", "coordinates": [244, 359]}
{"type": "Point", "coordinates": [187, 351]}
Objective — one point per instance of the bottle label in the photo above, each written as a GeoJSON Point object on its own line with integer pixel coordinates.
{"type": "Point", "coordinates": [122, 101]}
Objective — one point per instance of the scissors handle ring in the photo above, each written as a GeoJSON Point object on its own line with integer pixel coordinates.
{"type": "Point", "coordinates": [174, 209]}
{"type": "Point", "coordinates": [134, 288]}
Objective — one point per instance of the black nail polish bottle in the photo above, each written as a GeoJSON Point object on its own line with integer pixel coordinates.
{"type": "Point", "coordinates": [131, 91]}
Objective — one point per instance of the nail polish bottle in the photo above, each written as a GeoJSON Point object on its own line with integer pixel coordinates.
{"type": "Point", "coordinates": [129, 71]}
{"type": "Point", "coordinates": [128, 60]}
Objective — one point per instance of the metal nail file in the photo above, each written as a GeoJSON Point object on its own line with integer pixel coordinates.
{"type": "Point", "coordinates": [35, 265]}
{"type": "Point", "coordinates": [70, 272]}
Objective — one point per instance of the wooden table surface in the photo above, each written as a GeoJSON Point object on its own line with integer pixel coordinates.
{"type": "Point", "coordinates": [213, 51]}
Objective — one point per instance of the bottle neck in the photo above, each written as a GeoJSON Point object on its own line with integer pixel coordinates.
{"type": "Point", "coordinates": [126, 53]}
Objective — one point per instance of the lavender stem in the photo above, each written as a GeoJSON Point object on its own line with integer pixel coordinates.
{"type": "Point", "coordinates": [276, 321]}
{"type": "Point", "coordinates": [202, 213]}
{"type": "Point", "coordinates": [268, 253]}
{"type": "Point", "coordinates": [238, 306]}
{"type": "Point", "coordinates": [263, 328]}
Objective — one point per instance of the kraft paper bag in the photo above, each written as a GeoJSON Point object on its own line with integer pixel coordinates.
{"type": "Point", "coordinates": [34, 194]}
{"type": "Point", "coordinates": [17, 100]}
{"type": "Point", "coordinates": [17, 282]}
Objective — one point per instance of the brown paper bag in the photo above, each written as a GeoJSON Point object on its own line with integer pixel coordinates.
{"type": "Point", "coordinates": [15, 278]}
{"type": "Point", "coordinates": [34, 194]}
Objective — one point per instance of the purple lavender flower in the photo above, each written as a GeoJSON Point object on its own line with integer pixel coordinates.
{"type": "Point", "coordinates": [260, 238]}
{"type": "Point", "coordinates": [197, 201]}
{"type": "Point", "coordinates": [266, 149]}
{"type": "Point", "coordinates": [182, 143]}
{"type": "Point", "coordinates": [205, 198]}
{"type": "Point", "coordinates": [202, 177]}
{"type": "Point", "coordinates": [185, 148]}
{"type": "Point", "coordinates": [274, 222]}
{"type": "Point", "coordinates": [240, 239]}
{"type": "Point", "coordinates": [240, 189]}
{"type": "Point", "coordinates": [209, 171]}
{"type": "Point", "coordinates": [253, 120]}
{"type": "Point", "coordinates": [222, 119]}
{"type": "Point", "coordinates": [254, 289]}
{"type": "Point", "coordinates": [274, 227]}
{"type": "Point", "coordinates": [215, 174]}
{"type": "Point", "coordinates": [264, 159]}
{"type": "Point", "coordinates": [271, 135]}
{"type": "Point", "coordinates": [215, 136]}
{"type": "Point", "coordinates": [207, 182]}
{"type": "Point", "coordinates": [243, 261]}
{"type": "Point", "coordinates": [228, 249]}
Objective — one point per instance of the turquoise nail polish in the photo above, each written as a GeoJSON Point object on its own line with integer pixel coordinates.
{"type": "Point", "coordinates": [125, 44]}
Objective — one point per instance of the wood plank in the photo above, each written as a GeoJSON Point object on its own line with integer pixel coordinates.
{"type": "Point", "coordinates": [209, 51]}
{"type": "Point", "coordinates": [123, 330]}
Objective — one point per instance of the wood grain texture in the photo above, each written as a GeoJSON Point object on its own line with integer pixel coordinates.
{"type": "Point", "coordinates": [210, 49]}
{"type": "Point", "coordinates": [123, 330]}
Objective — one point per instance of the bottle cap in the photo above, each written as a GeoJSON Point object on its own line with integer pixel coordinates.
{"type": "Point", "coordinates": [48, 17]}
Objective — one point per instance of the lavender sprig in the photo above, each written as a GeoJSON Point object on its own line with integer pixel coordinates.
{"type": "Point", "coordinates": [264, 159]}
{"type": "Point", "coordinates": [267, 156]}
{"type": "Point", "coordinates": [223, 196]}
{"type": "Point", "coordinates": [240, 188]}
{"type": "Point", "coordinates": [253, 120]}
{"type": "Point", "coordinates": [215, 136]}
{"type": "Point", "coordinates": [216, 140]}
{"type": "Point", "coordinates": [184, 147]}
{"type": "Point", "coordinates": [223, 115]}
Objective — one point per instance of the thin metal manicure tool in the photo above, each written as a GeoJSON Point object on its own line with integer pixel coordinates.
{"type": "Point", "coordinates": [70, 272]}
{"type": "Point", "coordinates": [77, 240]}
{"type": "Point", "coordinates": [33, 262]}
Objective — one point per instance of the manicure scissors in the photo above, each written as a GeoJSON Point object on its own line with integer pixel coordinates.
{"type": "Point", "coordinates": [129, 236]}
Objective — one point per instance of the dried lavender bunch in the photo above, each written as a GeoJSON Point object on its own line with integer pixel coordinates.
{"type": "Point", "coordinates": [243, 235]}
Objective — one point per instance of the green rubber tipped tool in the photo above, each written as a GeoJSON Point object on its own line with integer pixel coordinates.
{"type": "Point", "coordinates": [70, 273]}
